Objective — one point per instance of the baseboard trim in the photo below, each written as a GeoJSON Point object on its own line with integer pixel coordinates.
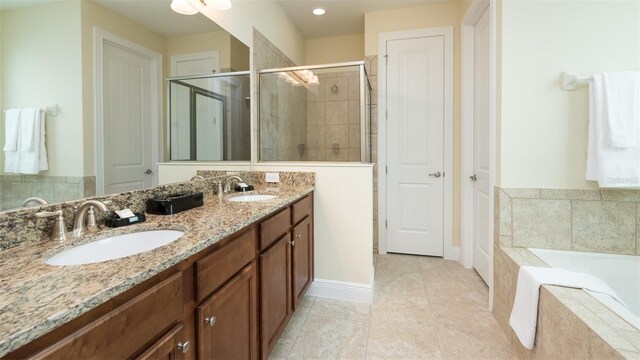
{"type": "Point", "coordinates": [342, 290]}
{"type": "Point", "coordinates": [454, 254]}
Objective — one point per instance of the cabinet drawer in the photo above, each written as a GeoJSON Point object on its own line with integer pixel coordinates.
{"type": "Point", "coordinates": [273, 228]}
{"type": "Point", "coordinates": [302, 209]}
{"type": "Point", "coordinates": [215, 269]}
{"type": "Point", "coordinates": [120, 333]}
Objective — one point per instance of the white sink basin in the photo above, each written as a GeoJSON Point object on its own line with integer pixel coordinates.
{"type": "Point", "coordinates": [254, 197]}
{"type": "Point", "coordinates": [114, 247]}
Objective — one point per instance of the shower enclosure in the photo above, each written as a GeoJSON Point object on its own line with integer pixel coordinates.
{"type": "Point", "coordinates": [315, 113]}
{"type": "Point", "coordinates": [209, 117]}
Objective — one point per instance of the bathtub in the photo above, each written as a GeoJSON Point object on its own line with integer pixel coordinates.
{"type": "Point", "coordinates": [620, 272]}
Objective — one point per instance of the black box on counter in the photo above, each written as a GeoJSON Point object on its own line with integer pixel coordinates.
{"type": "Point", "coordinates": [113, 220]}
{"type": "Point", "coordinates": [174, 204]}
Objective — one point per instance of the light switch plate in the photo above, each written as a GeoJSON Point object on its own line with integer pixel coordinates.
{"type": "Point", "coordinates": [273, 177]}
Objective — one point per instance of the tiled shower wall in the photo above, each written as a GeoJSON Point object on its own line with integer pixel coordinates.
{"type": "Point", "coordinates": [238, 127]}
{"type": "Point", "coordinates": [282, 124]}
{"type": "Point", "coordinates": [605, 221]}
{"type": "Point", "coordinates": [333, 117]}
{"type": "Point", "coordinates": [14, 189]}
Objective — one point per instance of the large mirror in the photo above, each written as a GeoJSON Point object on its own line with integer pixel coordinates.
{"type": "Point", "coordinates": [93, 71]}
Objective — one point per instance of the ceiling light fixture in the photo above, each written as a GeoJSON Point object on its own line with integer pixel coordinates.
{"type": "Point", "coordinates": [319, 11]}
{"type": "Point", "coordinates": [183, 7]}
{"type": "Point", "coordinates": [300, 78]}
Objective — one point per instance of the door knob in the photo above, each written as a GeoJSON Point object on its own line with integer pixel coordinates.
{"type": "Point", "coordinates": [436, 174]}
{"type": "Point", "coordinates": [473, 177]}
{"type": "Point", "coordinates": [184, 346]}
{"type": "Point", "coordinates": [148, 172]}
{"type": "Point", "coordinates": [210, 321]}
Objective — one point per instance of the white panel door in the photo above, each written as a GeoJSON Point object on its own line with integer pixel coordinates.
{"type": "Point", "coordinates": [415, 146]}
{"type": "Point", "coordinates": [481, 151]}
{"type": "Point", "coordinates": [127, 120]}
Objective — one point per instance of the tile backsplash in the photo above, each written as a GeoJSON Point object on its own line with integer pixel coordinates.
{"type": "Point", "coordinates": [564, 219]}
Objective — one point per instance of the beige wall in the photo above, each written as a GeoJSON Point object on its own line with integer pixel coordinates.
{"type": "Point", "coordinates": [441, 14]}
{"type": "Point", "coordinates": [217, 40]}
{"type": "Point", "coordinates": [335, 49]}
{"type": "Point", "coordinates": [544, 129]}
{"type": "Point", "coordinates": [239, 54]}
{"type": "Point", "coordinates": [40, 67]}
{"type": "Point", "coordinates": [267, 17]}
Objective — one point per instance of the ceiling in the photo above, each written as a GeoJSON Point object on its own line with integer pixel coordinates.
{"type": "Point", "coordinates": [343, 16]}
{"type": "Point", "coordinates": [155, 15]}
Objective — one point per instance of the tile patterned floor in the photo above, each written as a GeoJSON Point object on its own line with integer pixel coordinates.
{"type": "Point", "coordinates": [423, 308]}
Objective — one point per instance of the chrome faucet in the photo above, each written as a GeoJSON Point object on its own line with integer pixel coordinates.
{"type": "Point", "coordinates": [58, 232]}
{"type": "Point", "coordinates": [196, 177]}
{"type": "Point", "coordinates": [32, 201]}
{"type": "Point", "coordinates": [84, 209]}
{"type": "Point", "coordinates": [227, 182]}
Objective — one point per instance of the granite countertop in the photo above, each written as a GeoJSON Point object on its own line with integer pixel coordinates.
{"type": "Point", "coordinates": [36, 298]}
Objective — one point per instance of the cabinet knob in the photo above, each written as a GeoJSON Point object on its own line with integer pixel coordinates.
{"type": "Point", "coordinates": [210, 321]}
{"type": "Point", "coordinates": [184, 346]}
{"type": "Point", "coordinates": [293, 243]}
{"type": "Point", "coordinates": [298, 236]}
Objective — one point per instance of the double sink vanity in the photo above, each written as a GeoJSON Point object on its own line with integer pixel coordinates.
{"type": "Point", "coordinates": [224, 285]}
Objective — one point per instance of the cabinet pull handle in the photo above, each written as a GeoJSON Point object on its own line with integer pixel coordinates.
{"type": "Point", "coordinates": [184, 346]}
{"type": "Point", "coordinates": [210, 321]}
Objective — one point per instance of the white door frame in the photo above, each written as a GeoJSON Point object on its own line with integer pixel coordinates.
{"type": "Point", "coordinates": [474, 13]}
{"type": "Point", "coordinates": [450, 252]}
{"type": "Point", "coordinates": [100, 38]}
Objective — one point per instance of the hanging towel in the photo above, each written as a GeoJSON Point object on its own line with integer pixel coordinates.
{"type": "Point", "coordinates": [33, 153]}
{"type": "Point", "coordinates": [610, 167]}
{"type": "Point", "coordinates": [524, 315]}
{"type": "Point", "coordinates": [28, 129]}
{"type": "Point", "coordinates": [621, 107]}
{"type": "Point", "coordinates": [11, 129]}
{"type": "Point", "coordinates": [11, 122]}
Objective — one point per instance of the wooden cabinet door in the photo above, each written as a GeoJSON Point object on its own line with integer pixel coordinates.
{"type": "Point", "coordinates": [172, 346]}
{"type": "Point", "coordinates": [275, 291]}
{"type": "Point", "coordinates": [228, 320]}
{"type": "Point", "coordinates": [302, 258]}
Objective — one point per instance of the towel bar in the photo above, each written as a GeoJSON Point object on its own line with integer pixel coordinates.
{"type": "Point", "coordinates": [50, 110]}
{"type": "Point", "coordinates": [569, 81]}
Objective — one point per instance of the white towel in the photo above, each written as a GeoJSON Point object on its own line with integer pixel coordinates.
{"type": "Point", "coordinates": [33, 153]}
{"type": "Point", "coordinates": [609, 166]}
{"type": "Point", "coordinates": [524, 315]}
{"type": "Point", "coordinates": [11, 137]}
{"type": "Point", "coordinates": [11, 122]}
{"type": "Point", "coordinates": [621, 105]}
{"type": "Point", "coordinates": [29, 130]}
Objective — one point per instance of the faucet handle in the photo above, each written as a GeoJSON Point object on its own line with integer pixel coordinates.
{"type": "Point", "coordinates": [46, 214]}
{"type": "Point", "coordinates": [91, 225]}
{"type": "Point", "coordinates": [59, 227]}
